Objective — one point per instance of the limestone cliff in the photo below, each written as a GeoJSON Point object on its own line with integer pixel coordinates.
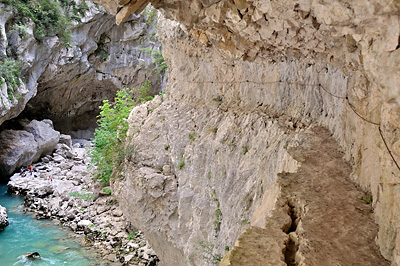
{"type": "Point", "coordinates": [66, 82]}
{"type": "Point", "coordinates": [246, 79]}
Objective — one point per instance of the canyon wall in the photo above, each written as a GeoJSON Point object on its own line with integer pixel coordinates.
{"type": "Point", "coordinates": [245, 78]}
{"type": "Point", "coordinates": [68, 82]}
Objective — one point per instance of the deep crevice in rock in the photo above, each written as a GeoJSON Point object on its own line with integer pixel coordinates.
{"type": "Point", "coordinates": [291, 246]}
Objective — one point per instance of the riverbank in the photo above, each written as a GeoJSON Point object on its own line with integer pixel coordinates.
{"type": "Point", "coordinates": [25, 234]}
{"type": "Point", "coordinates": [61, 188]}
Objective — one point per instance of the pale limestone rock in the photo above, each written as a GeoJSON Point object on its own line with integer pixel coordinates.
{"type": "Point", "coordinates": [66, 139]}
{"type": "Point", "coordinates": [262, 58]}
{"type": "Point", "coordinates": [44, 134]}
{"type": "Point", "coordinates": [17, 148]}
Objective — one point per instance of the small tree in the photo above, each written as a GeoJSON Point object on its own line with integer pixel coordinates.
{"type": "Point", "coordinates": [110, 137]}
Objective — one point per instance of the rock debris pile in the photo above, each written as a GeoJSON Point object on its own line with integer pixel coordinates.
{"type": "Point", "coordinates": [60, 187]}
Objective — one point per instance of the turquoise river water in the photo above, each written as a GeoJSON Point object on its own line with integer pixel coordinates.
{"type": "Point", "coordinates": [27, 234]}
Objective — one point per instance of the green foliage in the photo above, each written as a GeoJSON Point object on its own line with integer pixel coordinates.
{"type": "Point", "coordinates": [107, 190]}
{"type": "Point", "coordinates": [166, 147]}
{"type": "Point", "coordinates": [217, 99]}
{"type": "Point", "coordinates": [244, 222]}
{"type": "Point", "coordinates": [82, 196]}
{"type": "Point", "coordinates": [75, 11]}
{"type": "Point", "coordinates": [110, 137]}
{"type": "Point", "coordinates": [192, 136]}
{"type": "Point", "coordinates": [161, 65]}
{"type": "Point", "coordinates": [48, 16]}
{"type": "Point", "coordinates": [181, 164]}
{"type": "Point", "coordinates": [367, 199]}
{"type": "Point", "coordinates": [207, 250]}
{"type": "Point", "coordinates": [132, 235]}
{"type": "Point", "coordinates": [150, 12]}
{"type": "Point", "coordinates": [245, 149]}
{"type": "Point", "coordinates": [214, 129]}
{"type": "Point", "coordinates": [217, 213]}
{"type": "Point", "coordinates": [10, 71]}
{"type": "Point", "coordinates": [144, 92]}
{"type": "Point", "coordinates": [22, 30]}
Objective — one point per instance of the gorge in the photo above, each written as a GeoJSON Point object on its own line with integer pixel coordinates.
{"type": "Point", "coordinates": [277, 139]}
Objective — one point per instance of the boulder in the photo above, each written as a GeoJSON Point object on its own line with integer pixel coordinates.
{"type": "Point", "coordinates": [32, 255]}
{"type": "Point", "coordinates": [84, 223]}
{"type": "Point", "coordinates": [66, 139]}
{"type": "Point", "coordinates": [17, 148]}
{"type": "Point", "coordinates": [23, 147]}
{"type": "Point", "coordinates": [44, 134]}
{"type": "Point", "coordinates": [3, 218]}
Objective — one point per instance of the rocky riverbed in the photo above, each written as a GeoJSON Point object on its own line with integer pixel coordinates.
{"type": "Point", "coordinates": [60, 187]}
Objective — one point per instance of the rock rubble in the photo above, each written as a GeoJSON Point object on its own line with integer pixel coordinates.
{"type": "Point", "coordinates": [60, 188]}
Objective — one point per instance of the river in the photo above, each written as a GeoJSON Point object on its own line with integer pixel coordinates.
{"type": "Point", "coordinates": [27, 234]}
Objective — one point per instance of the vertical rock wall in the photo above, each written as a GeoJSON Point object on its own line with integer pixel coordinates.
{"type": "Point", "coordinates": [67, 84]}
{"type": "Point", "coordinates": [332, 63]}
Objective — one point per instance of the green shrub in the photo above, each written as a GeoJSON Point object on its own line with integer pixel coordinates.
{"type": "Point", "coordinates": [10, 71]}
{"type": "Point", "coordinates": [150, 12]}
{"type": "Point", "coordinates": [110, 137]}
{"type": "Point", "coordinates": [82, 196]}
{"type": "Point", "coordinates": [48, 16]}
{"type": "Point", "coordinates": [132, 235]}
{"type": "Point", "coordinates": [107, 190]}
{"type": "Point", "coordinates": [181, 164]}
{"type": "Point", "coordinates": [22, 30]}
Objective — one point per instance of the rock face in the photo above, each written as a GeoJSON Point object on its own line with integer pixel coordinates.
{"type": "Point", "coordinates": [45, 136]}
{"type": "Point", "coordinates": [3, 218]}
{"type": "Point", "coordinates": [22, 147]}
{"type": "Point", "coordinates": [67, 85]}
{"type": "Point", "coordinates": [240, 65]}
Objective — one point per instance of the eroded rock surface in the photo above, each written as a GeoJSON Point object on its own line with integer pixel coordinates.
{"type": "Point", "coordinates": [329, 63]}
{"type": "Point", "coordinates": [67, 84]}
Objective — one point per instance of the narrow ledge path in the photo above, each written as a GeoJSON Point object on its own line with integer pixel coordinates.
{"type": "Point", "coordinates": [319, 218]}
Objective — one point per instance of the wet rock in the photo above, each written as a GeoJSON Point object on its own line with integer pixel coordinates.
{"type": "Point", "coordinates": [32, 255]}
{"type": "Point", "coordinates": [3, 218]}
